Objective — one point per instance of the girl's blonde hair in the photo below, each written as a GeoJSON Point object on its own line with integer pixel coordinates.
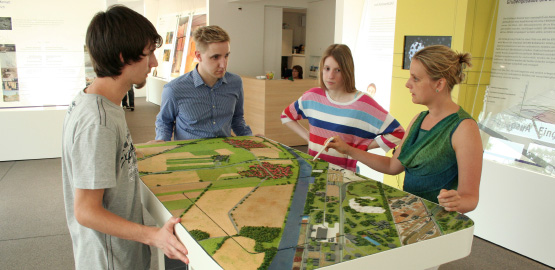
{"type": "Point", "coordinates": [442, 62]}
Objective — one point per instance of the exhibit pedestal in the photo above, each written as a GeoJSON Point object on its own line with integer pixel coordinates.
{"type": "Point", "coordinates": [251, 202]}
{"type": "Point", "coordinates": [31, 133]}
{"type": "Point", "coordinates": [513, 211]}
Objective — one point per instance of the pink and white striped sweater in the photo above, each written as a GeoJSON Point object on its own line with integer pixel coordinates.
{"type": "Point", "coordinates": [357, 122]}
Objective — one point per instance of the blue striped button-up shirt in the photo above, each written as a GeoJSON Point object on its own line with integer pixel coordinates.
{"type": "Point", "coordinates": [195, 110]}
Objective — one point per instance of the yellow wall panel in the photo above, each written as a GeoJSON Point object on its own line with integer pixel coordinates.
{"type": "Point", "coordinates": [479, 41]}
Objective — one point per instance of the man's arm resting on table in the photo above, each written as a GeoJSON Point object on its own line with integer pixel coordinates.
{"type": "Point", "coordinates": [240, 127]}
{"type": "Point", "coordinates": [90, 213]}
{"type": "Point", "coordinates": [238, 123]}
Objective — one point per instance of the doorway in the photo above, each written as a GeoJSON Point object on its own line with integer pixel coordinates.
{"type": "Point", "coordinates": [293, 40]}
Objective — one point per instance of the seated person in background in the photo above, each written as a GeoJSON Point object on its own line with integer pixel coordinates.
{"type": "Point", "coordinates": [297, 72]}
{"type": "Point", "coordinates": [442, 152]}
{"type": "Point", "coordinates": [208, 101]}
{"type": "Point", "coordinates": [336, 108]}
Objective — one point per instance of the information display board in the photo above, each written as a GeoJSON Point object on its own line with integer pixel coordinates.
{"type": "Point", "coordinates": [41, 51]}
{"type": "Point", "coordinates": [177, 55]}
{"type": "Point", "coordinates": [518, 118]}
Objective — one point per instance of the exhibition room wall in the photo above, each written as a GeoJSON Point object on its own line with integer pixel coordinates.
{"type": "Point", "coordinates": [49, 41]}
{"type": "Point", "coordinates": [246, 27]}
{"type": "Point", "coordinates": [514, 204]}
{"type": "Point", "coordinates": [255, 31]}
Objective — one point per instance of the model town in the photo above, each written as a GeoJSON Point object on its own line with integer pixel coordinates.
{"type": "Point", "coordinates": [253, 203]}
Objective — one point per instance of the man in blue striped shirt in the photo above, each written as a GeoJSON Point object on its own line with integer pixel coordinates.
{"type": "Point", "coordinates": [208, 101]}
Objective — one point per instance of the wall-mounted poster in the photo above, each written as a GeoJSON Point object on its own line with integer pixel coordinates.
{"type": "Point", "coordinates": [166, 57]}
{"type": "Point", "coordinates": [169, 37]}
{"type": "Point", "coordinates": [180, 42]}
{"type": "Point", "coordinates": [415, 43]}
{"type": "Point", "coordinates": [5, 23]}
{"type": "Point", "coordinates": [174, 62]}
{"type": "Point", "coordinates": [8, 64]}
{"type": "Point", "coordinates": [166, 28]}
{"type": "Point", "coordinates": [198, 21]}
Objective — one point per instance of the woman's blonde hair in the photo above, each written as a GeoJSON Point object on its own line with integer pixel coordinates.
{"type": "Point", "coordinates": [442, 62]}
{"type": "Point", "coordinates": [342, 54]}
{"type": "Point", "coordinates": [205, 35]}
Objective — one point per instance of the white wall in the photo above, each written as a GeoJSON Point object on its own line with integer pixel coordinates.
{"type": "Point", "coordinates": [347, 21]}
{"type": "Point", "coordinates": [273, 17]}
{"type": "Point", "coordinates": [320, 26]}
{"type": "Point", "coordinates": [167, 7]}
{"type": "Point", "coordinates": [246, 29]}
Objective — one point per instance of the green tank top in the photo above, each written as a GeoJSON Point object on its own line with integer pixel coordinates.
{"type": "Point", "coordinates": [429, 158]}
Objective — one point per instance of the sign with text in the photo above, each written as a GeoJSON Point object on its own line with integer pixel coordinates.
{"type": "Point", "coordinates": [520, 102]}
{"type": "Point", "coordinates": [41, 51]}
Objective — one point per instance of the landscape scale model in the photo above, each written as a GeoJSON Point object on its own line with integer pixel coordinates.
{"type": "Point", "coordinates": [252, 203]}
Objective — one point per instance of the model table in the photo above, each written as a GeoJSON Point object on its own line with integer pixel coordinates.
{"type": "Point", "coordinates": [252, 203]}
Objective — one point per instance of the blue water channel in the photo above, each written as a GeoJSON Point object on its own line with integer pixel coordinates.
{"type": "Point", "coordinates": [372, 241]}
{"type": "Point", "coordinates": [287, 246]}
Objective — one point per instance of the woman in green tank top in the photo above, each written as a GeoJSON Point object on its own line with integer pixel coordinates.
{"type": "Point", "coordinates": [441, 154]}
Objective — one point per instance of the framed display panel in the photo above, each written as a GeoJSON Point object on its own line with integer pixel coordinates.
{"type": "Point", "coordinates": [167, 28]}
{"type": "Point", "coordinates": [252, 203]}
{"type": "Point", "coordinates": [41, 68]}
{"type": "Point", "coordinates": [181, 41]}
{"type": "Point", "coordinates": [518, 117]}
{"type": "Point", "coordinates": [191, 61]}
{"type": "Point", "coordinates": [177, 31]}
{"type": "Point", "coordinates": [415, 43]}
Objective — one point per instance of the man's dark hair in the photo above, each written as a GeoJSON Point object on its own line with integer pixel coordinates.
{"type": "Point", "coordinates": [119, 30]}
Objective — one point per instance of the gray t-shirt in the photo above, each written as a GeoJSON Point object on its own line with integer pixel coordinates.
{"type": "Point", "coordinates": [98, 153]}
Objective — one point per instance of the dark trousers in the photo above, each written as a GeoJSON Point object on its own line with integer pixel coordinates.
{"type": "Point", "coordinates": [131, 95]}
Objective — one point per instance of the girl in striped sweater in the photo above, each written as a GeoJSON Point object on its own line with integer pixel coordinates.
{"type": "Point", "coordinates": [336, 108]}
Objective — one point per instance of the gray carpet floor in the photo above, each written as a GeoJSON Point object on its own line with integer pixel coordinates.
{"type": "Point", "coordinates": [34, 234]}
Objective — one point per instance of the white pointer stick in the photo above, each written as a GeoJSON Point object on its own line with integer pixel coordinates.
{"type": "Point", "coordinates": [322, 150]}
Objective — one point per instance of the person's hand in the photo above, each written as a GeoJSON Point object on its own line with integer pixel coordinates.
{"type": "Point", "coordinates": [168, 242]}
{"type": "Point", "coordinates": [259, 135]}
{"type": "Point", "coordinates": [449, 199]}
{"type": "Point", "coordinates": [338, 144]}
